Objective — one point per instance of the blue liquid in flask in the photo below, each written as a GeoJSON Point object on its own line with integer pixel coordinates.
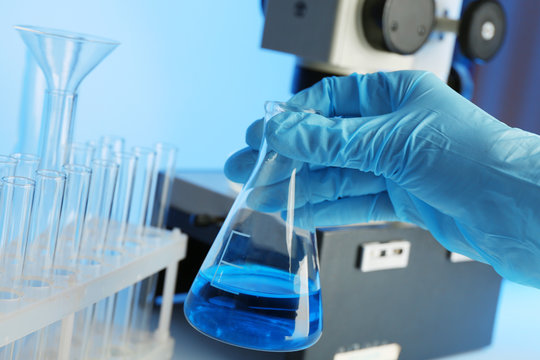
{"type": "Point", "coordinates": [255, 307]}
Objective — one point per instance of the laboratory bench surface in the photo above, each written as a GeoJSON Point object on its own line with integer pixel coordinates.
{"type": "Point", "coordinates": [516, 334]}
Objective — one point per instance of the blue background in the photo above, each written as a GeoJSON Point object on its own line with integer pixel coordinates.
{"type": "Point", "coordinates": [191, 73]}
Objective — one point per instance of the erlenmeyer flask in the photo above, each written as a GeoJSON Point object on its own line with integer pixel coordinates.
{"type": "Point", "coordinates": [65, 59]}
{"type": "Point", "coordinates": [259, 285]}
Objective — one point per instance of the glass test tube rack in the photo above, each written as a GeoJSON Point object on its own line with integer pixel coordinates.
{"type": "Point", "coordinates": [162, 249]}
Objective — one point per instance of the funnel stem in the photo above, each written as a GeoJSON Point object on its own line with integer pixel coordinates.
{"type": "Point", "coordinates": [57, 131]}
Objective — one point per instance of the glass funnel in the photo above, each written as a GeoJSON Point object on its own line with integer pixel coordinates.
{"type": "Point", "coordinates": [65, 59]}
{"type": "Point", "coordinates": [259, 285]}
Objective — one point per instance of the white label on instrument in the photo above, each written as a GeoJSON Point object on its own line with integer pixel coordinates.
{"type": "Point", "coordinates": [385, 255]}
{"type": "Point", "coordinates": [456, 258]}
{"type": "Point", "coordinates": [383, 352]}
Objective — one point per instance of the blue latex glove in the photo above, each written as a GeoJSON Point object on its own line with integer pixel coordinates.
{"type": "Point", "coordinates": [405, 146]}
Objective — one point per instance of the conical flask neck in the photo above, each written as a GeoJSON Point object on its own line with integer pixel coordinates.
{"type": "Point", "coordinates": [65, 57]}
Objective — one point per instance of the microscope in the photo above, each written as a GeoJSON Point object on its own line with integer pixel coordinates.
{"type": "Point", "coordinates": [390, 290]}
{"type": "Point", "coordinates": [339, 37]}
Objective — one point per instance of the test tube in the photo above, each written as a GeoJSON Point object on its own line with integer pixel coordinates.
{"type": "Point", "coordinates": [7, 296]}
{"type": "Point", "coordinates": [142, 188]}
{"type": "Point", "coordinates": [6, 351]}
{"type": "Point", "coordinates": [93, 320]}
{"type": "Point", "coordinates": [102, 321]}
{"type": "Point", "coordinates": [72, 217]}
{"type": "Point", "coordinates": [108, 145]}
{"type": "Point", "coordinates": [27, 164]}
{"type": "Point", "coordinates": [97, 344]}
{"type": "Point", "coordinates": [162, 184]}
{"type": "Point", "coordinates": [80, 154]}
{"type": "Point", "coordinates": [7, 166]}
{"type": "Point", "coordinates": [104, 310]}
{"type": "Point", "coordinates": [163, 176]}
{"type": "Point", "coordinates": [101, 194]}
{"type": "Point", "coordinates": [127, 164]}
{"type": "Point", "coordinates": [15, 210]}
{"type": "Point", "coordinates": [95, 145]}
{"type": "Point", "coordinates": [116, 142]}
{"type": "Point", "coordinates": [121, 301]}
{"type": "Point", "coordinates": [142, 180]}
{"type": "Point", "coordinates": [41, 244]}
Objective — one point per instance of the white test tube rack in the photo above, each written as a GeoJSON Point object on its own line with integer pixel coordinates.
{"type": "Point", "coordinates": [30, 314]}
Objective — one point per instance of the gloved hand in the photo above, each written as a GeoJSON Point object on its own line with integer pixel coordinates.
{"type": "Point", "coordinates": [404, 146]}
